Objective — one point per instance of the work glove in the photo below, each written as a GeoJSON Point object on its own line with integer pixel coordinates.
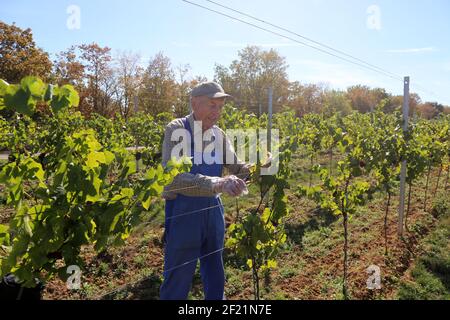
{"type": "Point", "coordinates": [231, 185]}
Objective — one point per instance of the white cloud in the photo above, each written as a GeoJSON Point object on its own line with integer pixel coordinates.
{"type": "Point", "coordinates": [413, 50]}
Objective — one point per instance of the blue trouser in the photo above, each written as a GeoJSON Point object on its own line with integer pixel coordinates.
{"type": "Point", "coordinates": [190, 236]}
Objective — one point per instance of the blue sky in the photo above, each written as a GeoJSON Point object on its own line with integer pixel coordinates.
{"type": "Point", "coordinates": [411, 37]}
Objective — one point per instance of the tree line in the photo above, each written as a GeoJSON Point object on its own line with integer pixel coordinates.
{"type": "Point", "coordinates": [114, 84]}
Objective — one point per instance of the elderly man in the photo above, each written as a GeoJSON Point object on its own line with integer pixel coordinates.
{"type": "Point", "coordinates": [194, 225]}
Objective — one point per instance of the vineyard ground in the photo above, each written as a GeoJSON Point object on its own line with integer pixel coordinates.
{"type": "Point", "coordinates": [309, 268]}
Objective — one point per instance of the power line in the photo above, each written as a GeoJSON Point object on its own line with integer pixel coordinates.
{"type": "Point", "coordinates": [306, 38]}
{"type": "Point", "coordinates": [362, 63]}
{"type": "Point", "coordinates": [423, 89]}
{"type": "Point", "coordinates": [387, 74]}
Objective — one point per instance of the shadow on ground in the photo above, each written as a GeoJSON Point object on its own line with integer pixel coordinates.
{"type": "Point", "coordinates": [318, 218]}
{"type": "Point", "coordinates": [147, 289]}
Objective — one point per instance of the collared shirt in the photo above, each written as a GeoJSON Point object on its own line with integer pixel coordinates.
{"type": "Point", "coordinates": [198, 185]}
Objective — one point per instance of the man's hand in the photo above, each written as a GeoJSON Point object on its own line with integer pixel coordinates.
{"type": "Point", "coordinates": [231, 185]}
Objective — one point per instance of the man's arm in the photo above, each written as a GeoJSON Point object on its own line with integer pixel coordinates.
{"type": "Point", "coordinates": [187, 184]}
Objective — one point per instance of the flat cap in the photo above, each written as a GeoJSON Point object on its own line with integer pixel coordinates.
{"type": "Point", "coordinates": [209, 89]}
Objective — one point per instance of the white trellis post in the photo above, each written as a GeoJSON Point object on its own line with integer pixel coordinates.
{"type": "Point", "coordinates": [269, 129]}
{"type": "Point", "coordinates": [136, 109]}
{"type": "Point", "coordinates": [401, 208]}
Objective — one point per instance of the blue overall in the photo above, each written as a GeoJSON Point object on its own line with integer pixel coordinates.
{"type": "Point", "coordinates": [190, 236]}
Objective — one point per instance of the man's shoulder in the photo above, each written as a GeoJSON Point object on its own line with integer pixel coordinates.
{"type": "Point", "coordinates": [175, 124]}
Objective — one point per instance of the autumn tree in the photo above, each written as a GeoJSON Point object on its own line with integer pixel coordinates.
{"type": "Point", "coordinates": [249, 77]}
{"type": "Point", "coordinates": [365, 99]}
{"type": "Point", "coordinates": [336, 102]}
{"type": "Point", "coordinates": [430, 110]}
{"type": "Point", "coordinates": [360, 98]}
{"type": "Point", "coordinates": [305, 98]}
{"type": "Point", "coordinates": [68, 69]}
{"type": "Point", "coordinates": [446, 110]}
{"type": "Point", "coordinates": [414, 101]}
{"type": "Point", "coordinates": [19, 55]}
{"type": "Point", "coordinates": [158, 89]}
{"type": "Point", "coordinates": [184, 88]}
{"type": "Point", "coordinates": [396, 103]}
{"type": "Point", "coordinates": [101, 85]}
{"type": "Point", "coordinates": [128, 73]}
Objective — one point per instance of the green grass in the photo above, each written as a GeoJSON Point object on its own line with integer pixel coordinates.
{"type": "Point", "coordinates": [103, 268]}
{"type": "Point", "coordinates": [140, 260]}
{"type": "Point", "coordinates": [288, 272]}
{"type": "Point", "coordinates": [234, 283]}
{"type": "Point", "coordinates": [431, 272]}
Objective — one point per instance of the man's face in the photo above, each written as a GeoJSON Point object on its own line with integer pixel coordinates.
{"type": "Point", "coordinates": [207, 110]}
